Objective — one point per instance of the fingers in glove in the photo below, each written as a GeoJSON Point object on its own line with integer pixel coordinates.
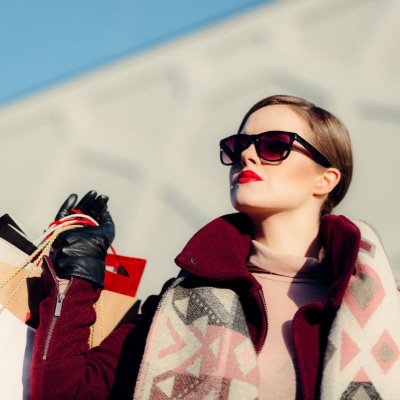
{"type": "Point", "coordinates": [93, 205]}
{"type": "Point", "coordinates": [65, 209]}
{"type": "Point", "coordinates": [107, 226]}
{"type": "Point", "coordinates": [99, 207]}
{"type": "Point", "coordinates": [85, 204]}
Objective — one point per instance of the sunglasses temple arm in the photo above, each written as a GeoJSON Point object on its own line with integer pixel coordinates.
{"type": "Point", "coordinates": [318, 157]}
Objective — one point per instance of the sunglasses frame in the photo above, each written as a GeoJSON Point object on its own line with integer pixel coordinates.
{"type": "Point", "coordinates": [254, 139]}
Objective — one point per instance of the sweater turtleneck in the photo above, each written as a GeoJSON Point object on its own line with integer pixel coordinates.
{"type": "Point", "coordinates": [288, 283]}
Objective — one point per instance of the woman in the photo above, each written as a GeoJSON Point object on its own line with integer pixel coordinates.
{"type": "Point", "coordinates": [281, 300]}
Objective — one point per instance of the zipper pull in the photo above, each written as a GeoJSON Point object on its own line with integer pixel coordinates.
{"type": "Point", "coordinates": [60, 299]}
{"type": "Point", "coordinates": [61, 295]}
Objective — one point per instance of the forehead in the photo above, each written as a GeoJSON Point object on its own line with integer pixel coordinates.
{"type": "Point", "coordinates": [277, 117]}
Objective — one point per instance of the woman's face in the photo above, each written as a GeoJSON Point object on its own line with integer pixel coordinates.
{"type": "Point", "coordinates": [278, 187]}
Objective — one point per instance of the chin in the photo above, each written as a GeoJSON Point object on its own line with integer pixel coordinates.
{"type": "Point", "coordinates": [247, 201]}
{"type": "Point", "coordinates": [256, 211]}
{"type": "Point", "coordinates": [246, 208]}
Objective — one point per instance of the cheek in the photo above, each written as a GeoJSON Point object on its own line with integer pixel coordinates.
{"type": "Point", "coordinates": [302, 177]}
{"type": "Point", "coordinates": [297, 175]}
{"type": "Point", "coordinates": [233, 171]}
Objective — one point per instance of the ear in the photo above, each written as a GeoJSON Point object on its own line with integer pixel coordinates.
{"type": "Point", "coordinates": [326, 181]}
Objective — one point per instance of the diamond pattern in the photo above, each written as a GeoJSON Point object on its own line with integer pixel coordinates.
{"type": "Point", "coordinates": [203, 352]}
{"type": "Point", "coordinates": [244, 357]}
{"type": "Point", "coordinates": [349, 350]}
{"type": "Point", "coordinates": [385, 351]}
{"type": "Point", "coordinates": [365, 294]}
{"type": "Point", "coordinates": [361, 376]}
{"type": "Point", "coordinates": [363, 352]}
{"type": "Point", "coordinates": [361, 391]}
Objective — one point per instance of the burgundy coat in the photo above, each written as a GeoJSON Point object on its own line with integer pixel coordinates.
{"type": "Point", "coordinates": [63, 367]}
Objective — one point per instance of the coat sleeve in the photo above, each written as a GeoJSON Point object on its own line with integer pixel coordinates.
{"type": "Point", "coordinates": [63, 366]}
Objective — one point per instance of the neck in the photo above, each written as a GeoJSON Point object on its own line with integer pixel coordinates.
{"type": "Point", "coordinates": [289, 234]}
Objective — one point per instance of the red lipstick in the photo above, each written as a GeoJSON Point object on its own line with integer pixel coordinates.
{"type": "Point", "coordinates": [248, 176]}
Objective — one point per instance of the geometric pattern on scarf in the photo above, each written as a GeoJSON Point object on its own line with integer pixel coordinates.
{"type": "Point", "coordinates": [362, 357]}
{"type": "Point", "coordinates": [198, 347]}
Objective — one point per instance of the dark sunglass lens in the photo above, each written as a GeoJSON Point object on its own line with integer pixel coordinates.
{"type": "Point", "coordinates": [241, 143]}
{"type": "Point", "coordinates": [228, 150]}
{"type": "Point", "coordinates": [274, 146]}
{"type": "Point", "coordinates": [232, 148]}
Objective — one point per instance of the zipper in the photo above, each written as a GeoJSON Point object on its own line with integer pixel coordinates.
{"type": "Point", "coordinates": [57, 312]}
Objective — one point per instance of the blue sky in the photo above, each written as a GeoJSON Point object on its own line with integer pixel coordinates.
{"type": "Point", "coordinates": [43, 42]}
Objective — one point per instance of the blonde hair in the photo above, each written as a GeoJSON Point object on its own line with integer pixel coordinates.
{"type": "Point", "coordinates": [331, 138]}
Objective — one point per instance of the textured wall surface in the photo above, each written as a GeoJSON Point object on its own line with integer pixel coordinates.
{"type": "Point", "coordinates": [146, 130]}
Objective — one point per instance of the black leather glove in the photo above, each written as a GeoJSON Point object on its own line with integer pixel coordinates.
{"type": "Point", "coordinates": [91, 204]}
{"type": "Point", "coordinates": [81, 252]}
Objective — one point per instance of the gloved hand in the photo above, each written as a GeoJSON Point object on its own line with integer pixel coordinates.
{"type": "Point", "coordinates": [81, 252]}
{"type": "Point", "coordinates": [91, 204]}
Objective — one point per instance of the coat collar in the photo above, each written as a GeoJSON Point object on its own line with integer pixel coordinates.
{"type": "Point", "coordinates": [220, 249]}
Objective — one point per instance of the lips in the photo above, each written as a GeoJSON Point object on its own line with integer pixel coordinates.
{"type": "Point", "coordinates": [248, 176]}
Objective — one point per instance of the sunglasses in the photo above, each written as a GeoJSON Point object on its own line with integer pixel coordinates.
{"type": "Point", "coordinates": [271, 146]}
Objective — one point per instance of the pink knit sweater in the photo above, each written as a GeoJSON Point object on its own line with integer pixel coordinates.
{"type": "Point", "coordinates": [288, 283]}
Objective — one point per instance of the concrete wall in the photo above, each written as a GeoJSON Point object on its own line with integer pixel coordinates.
{"type": "Point", "coordinates": [146, 130]}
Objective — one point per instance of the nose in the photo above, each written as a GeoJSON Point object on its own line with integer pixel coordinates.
{"type": "Point", "coordinates": [250, 156]}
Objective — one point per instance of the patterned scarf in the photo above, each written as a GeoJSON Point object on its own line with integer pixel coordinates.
{"type": "Point", "coordinates": [199, 348]}
{"type": "Point", "coordinates": [362, 358]}
{"type": "Point", "coordinates": [199, 345]}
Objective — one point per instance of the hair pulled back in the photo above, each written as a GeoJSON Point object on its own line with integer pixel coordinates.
{"type": "Point", "coordinates": [331, 138]}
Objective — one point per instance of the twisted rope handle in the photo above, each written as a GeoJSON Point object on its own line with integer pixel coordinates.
{"type": "Point", "coordinates": [46, 241]}
{"type": "Point", "coordinates": [37, 258]}
{"type": "Point", "coordinates": [99, 307]}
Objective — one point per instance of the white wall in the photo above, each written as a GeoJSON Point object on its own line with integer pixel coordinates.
{"type": "Point", "coordinates": [146, 130]}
